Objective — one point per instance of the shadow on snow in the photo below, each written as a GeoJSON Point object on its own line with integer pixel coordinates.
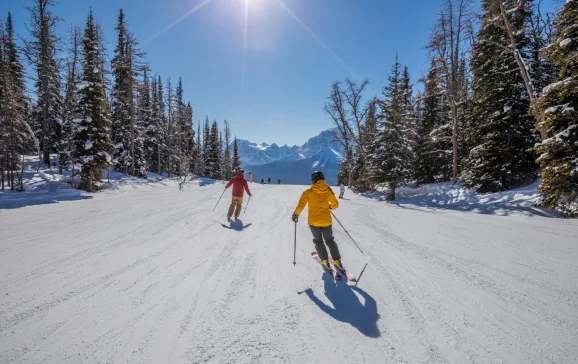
{"type": "Point", "coordinates": [15, 200]}
{"type": "Point", "coordinates": [236, 225]}
{"type": "Point", "coordinates": [347, 306]}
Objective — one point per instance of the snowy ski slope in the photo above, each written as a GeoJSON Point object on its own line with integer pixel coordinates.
{"type": "Point", "coordinates": [149, 275]}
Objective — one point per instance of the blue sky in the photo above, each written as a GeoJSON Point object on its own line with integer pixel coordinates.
{"type": "Point", "coordinates": [274, 88]}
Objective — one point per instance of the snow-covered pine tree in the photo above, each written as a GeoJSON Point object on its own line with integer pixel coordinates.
{"type": "Point", "coordinates": [558, 108]}
{"type": "Point", "coordinates": [41, 51]}
{"type": "Point", "coordinates": [199, 161]}
{"type": "Point", "coordinates": [73, 76]}
{"type": "Point", "coordinates": [343, 175]}
{"type": "Point", "coordinates": [163, 127]}
{"type": "Point", "coordinates": [152, 147]}
{"type": "Point", "coordinates": [221, 143]}
{"type": "Point", "coordinates": [236, 160]}
{"type": "Point", "coordinates": [212, 158]}
{"type": "Point", "coordinates": [170, 128]}
{"type": "Point", "coordinates": [361, 173]}
{"type": "Point", "coordinates": [92, 142]}
{"type": "Point", "coordinates": [206, 144]}
{"type": "Point", "coordinates": [502, 129]}
{"type": "Point", "coordinates": [434, 130]}
{"type": "Point", "coordinates": [393, 159]}
{"type": "Point", "coordinates": [14, 130]}
{"type": "Point", "coordinates": [542, 71]}
{"type": "Point", "coordinates": [190, 149]}
{"type": "Point", "coordinates": [122, 98]}
{"type": "Point", "coordinates": [227, 163]}
{"type": "Point", "coordinates": [146, 123]}
{"type": "Point", "coordinates": [180, 131]}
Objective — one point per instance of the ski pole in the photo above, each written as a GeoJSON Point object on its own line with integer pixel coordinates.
{"type": "Point", "coordinates": [295, 245]}
{"type": "Point", "coordinates": [247, 204]}
{"type": "Point", "coordinates": [347, 232]}
{"type": "Point", "coordinates": [360, 274]}
{"type": "Point", "coordinates": [219, 199]}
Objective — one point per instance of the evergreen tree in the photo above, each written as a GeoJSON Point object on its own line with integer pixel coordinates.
{"type": "Point", "coordinates": [122, 123]}
{"type": "Point", "coordinates": [236, 160]}
{"type": "Point", "coordinates": [153, 131]}
{"type": "Point", "coordinates": [163, 127]}
{"type": "Point", "coordinates": [558, 108]}
{"type": "Point", "coordinates": [221, 157]}
{"type": "Point", "coordinates": [434, 130]}
{"type": "Point", "coordinates": [393, 158]}
{"type": "Point", "coordinates": [542, 70]}
{"type": "Point", "coordinates": [227, 162]}
{"type": "Point", "coordinates": [92, 137]}
{"type": "Point", "coordinates": [170, 142]}
{"type": "Point", "coordinates": [199, 161]}
{"type": "Point", "coordinates": [146, 143]}
{"type": "Point", "coordinates": [206, 144]}
{"type": "Point", "coordinates": [41, 52]}
{"type": "Point", "coordinates": [190, 136]}
{"type": "Point", "coordinates": [501, 131]}
{"type": "Point", "coordinates": [14, 129]}
{"type": "Point", "coordinates": [343, 175]}
{"type": "Point", "coordinates": [73, 76]}
{"type": "Point", "coordinates": [181, 134]}
{"type": "Point", "coordinates": [212, 157]}
{"type": "Point", "coordinates": [361, 173]}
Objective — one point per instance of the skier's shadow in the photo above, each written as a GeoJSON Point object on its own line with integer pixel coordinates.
{"type": "Point", "coordinates": [236, 225]}
{"type": "Point", "coordinates": [348, 307]}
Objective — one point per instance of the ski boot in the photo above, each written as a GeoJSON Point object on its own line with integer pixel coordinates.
{"type": "Point", "coordinates": [339, 266]}
{"type": "Point", "coordinates": [328, 269]}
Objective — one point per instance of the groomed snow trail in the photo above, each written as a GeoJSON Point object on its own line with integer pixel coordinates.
{"type": "Point", "coordinates": [151, 275]}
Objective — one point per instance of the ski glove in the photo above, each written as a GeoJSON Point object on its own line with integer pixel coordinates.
{"type": "Point", "coordinates": [295, 218]}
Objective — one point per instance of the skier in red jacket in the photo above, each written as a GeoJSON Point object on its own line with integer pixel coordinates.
{"type": "Point", "coordinates": [239, 187]}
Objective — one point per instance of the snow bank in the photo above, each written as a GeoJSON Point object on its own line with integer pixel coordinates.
{"type": "Point", "coordinates": [446, 195]}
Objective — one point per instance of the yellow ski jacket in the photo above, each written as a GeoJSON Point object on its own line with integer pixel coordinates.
{"type": "Point", "coordinates": [321, 199]}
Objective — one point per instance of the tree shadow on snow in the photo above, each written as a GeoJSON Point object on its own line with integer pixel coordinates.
{"type": "Point", "coordinates": [16, 200]}
{"type": "Point", "coordinates": [236, 225]}
{"type": "Point", "coordinates": [347, 307]}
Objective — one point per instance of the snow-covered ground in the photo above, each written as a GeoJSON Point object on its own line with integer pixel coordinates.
{"type": "Point", "coordinates": [146, 273]}
{"type": "Point", "coordinates": [446, 195]}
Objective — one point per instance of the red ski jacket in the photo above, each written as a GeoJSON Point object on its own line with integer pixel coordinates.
{"type": "Point", "coordinates": [239, 184]}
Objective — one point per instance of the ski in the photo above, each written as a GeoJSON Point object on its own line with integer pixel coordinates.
{"type": "Point", "coordinates": [350, 277]}
{"type": "Point", "coordinates": [333, 273]}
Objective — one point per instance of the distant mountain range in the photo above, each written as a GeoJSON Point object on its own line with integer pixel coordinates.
{"type": "Point", "coordinates": [293, 165]}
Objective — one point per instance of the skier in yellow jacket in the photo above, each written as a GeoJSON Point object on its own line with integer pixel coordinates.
{"type": "Point", "coordinates": [321, 200]}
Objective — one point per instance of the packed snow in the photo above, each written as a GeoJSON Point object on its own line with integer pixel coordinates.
{"type": "Point", "coordinates": [147, 273]}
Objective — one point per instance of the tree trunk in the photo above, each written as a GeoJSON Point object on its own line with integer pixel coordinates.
{"type": "Point", "coordinates": [392, 187]}
{"type": "Point", "coordinates": [455, 143]}
{"type": "Point", "coordinates": [521, 65]}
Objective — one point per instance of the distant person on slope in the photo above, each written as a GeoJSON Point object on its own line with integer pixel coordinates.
{"type": "Point", "coordinates": [341, 190]}
{"type": "Point", "coordinates": [239, 187]}
{"type": "Point", "coordinates": [321, 200]}
{"type": "Point", "coordinates": [269, 181]}
{"type": "Point", "coordinates": [278, 181]}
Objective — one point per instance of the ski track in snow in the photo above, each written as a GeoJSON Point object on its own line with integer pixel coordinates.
{"type": "Point", "coordinates": [151, 275]}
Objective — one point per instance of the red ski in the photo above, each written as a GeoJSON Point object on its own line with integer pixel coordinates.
{"type": "Point", "coordinates": [333, 272]}
{"type": "Point", "coordinates": [350, 277]}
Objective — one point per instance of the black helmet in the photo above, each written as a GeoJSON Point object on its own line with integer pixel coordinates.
{"type": "Point", "coordinates": [317, 176]}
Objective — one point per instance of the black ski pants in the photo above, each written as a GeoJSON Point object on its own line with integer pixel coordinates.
{"type": "Point", "coordinates": [325, 233]}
